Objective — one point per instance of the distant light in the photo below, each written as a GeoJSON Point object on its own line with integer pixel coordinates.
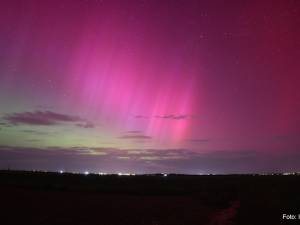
{"type": "Point", "coordinates": [165, 175]}
{"type": "Point", "coordinates": [289, 173]}
{"type": "Point", "coordinates": [61, 171]}
{"type": "Point", "coordinates": [125, 174]}
{"type": "Point", "coordinates": [101, 174]}
{"type": "Point", "coordinates": [86, 173]}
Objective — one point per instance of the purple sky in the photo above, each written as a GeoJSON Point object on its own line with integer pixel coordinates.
{"type": "Point", "coordinates": [150, 86]}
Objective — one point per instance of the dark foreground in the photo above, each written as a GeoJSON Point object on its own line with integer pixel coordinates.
{"type": "Point", "coordinates": [58, 199]}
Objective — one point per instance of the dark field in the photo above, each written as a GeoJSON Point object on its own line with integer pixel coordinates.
{"type": "Point", "coordinates": [50, 199]}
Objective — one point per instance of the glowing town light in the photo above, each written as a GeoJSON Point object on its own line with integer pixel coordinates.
{"type": "Point", "coordinates": [125, 174]}
{"type": "Point", "coordinates": [165, 175]}
{"type": "Point", "coordinates": [86, 173]}
{"type": "Point", "coordinates": [61, 171]}
{"type": "Point", "coordinates": [101, 174]}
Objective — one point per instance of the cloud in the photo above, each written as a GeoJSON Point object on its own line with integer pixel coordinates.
{"type": "Point", "coordinates": [40, 118]}
{"type": "Point", "coordinates": [133, 132]}
{"type": "Point", "coordinates": [180, 117]}
{"type": "Point", "coordinates": [86, 125]}
{"type": "Point", "coordinates": [3, 124]}
{"type": "Point", "coordinates": [36, 132]}
{"type": "Point", "coordinates": [115, 160]}
{"type": "Point", "coordinates": [141, 117]}
{"type": "Point", "coordinates": [45, 118]}
{"type": "Point", "coordinates": [169, 116]}
{"type": "Point", "coordinates": [198, 140]}
{"type": "Point", "coordinates": [286, 138]}
{"type": "Point", "coordinates": [135, 137]}
{"type": "Point", "coordinates": [173, 117]}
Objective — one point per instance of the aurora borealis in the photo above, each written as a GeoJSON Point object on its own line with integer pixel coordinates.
{"type": "Point", "coordinates": [150, 86]}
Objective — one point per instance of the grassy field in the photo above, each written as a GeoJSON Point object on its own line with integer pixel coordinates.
{"type": "Point", "coordinates": [53, 198]}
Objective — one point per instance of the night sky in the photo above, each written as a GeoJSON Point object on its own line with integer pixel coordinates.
{"type": "Point", "coordinates": [148, 86]}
